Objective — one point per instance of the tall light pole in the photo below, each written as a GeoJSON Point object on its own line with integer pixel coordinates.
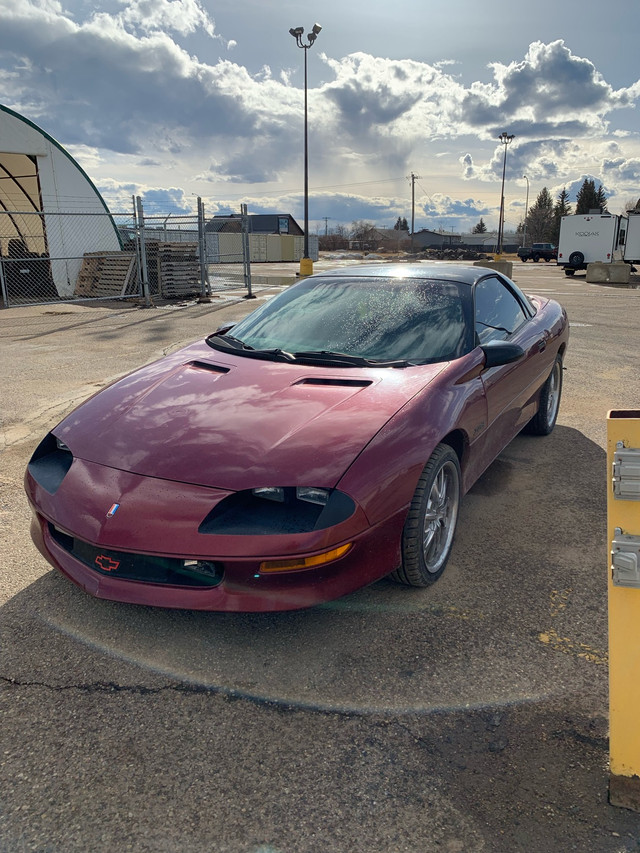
{"type": "Point", "coordinates": [306, 264]}
{"type": "Point", "coordinates": [505, 139]}
{"type": "Point", "coordinates": [526, 211]}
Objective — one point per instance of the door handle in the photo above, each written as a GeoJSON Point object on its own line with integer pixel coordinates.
{"type": "Point", "coordinates": [542, 345]}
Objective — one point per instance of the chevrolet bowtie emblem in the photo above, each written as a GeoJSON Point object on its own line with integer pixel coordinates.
{"type": "Point", "coordinates": [106, 563]}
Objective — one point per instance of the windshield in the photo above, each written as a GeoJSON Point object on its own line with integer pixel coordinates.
{"type": "Point", "coordinates": [416, 320]}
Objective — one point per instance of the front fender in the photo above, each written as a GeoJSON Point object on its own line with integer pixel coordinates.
{"type": "Point", "coordinates": [384, 476]}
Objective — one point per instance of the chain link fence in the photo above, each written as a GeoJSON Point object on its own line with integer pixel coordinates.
{"type": "Point", "coordinates": [67, 257]}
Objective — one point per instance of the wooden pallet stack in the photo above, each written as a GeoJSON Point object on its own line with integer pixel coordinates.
{"type": "Point", "coordinates": [107, 274]}
{"type": "Point", "coordinates": [178, 270]}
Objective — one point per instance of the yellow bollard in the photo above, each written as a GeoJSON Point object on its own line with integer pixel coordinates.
{"type": "Point", "coordinates": [306, 266]}
{"type": "Point", "coordinates": [623, 522]}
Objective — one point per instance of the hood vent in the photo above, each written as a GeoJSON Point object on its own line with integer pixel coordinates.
{"type": "Point", "coordinates": [340, 383]}
{"type": "Point", "coordinates": [207, 365]}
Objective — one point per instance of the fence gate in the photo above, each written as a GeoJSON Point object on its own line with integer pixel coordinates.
{"type": "Point", "coordinates": [77, 257]}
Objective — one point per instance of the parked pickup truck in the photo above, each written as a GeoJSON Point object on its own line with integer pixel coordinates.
{"type": "Point", "coordinates": [547, 251]}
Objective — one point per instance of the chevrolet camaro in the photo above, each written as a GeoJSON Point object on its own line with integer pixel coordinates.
{"type": "Point", "coordinates": [319, 444]}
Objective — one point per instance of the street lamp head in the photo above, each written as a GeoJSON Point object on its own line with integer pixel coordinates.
{"type": "Point", "coordinates": [296, 31]}
{"type": "Point", "coordinates": [313, 35]}
{"type": "Point", "coordinates": [506, 138]}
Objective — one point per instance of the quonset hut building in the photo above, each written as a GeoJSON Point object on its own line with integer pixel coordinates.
{"type": "Point", "coordinates": [51, 214]}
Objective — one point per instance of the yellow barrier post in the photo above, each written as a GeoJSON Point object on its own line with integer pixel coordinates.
{"type": "Point", "coordinates": [306, 266]}
{"type": "Point", "coordinates": [623, 521]}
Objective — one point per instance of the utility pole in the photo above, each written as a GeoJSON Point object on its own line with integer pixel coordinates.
{"type": "Point", "coordinates": [413, 178]}
{"type": "Point", "coordinates": [326, 225]}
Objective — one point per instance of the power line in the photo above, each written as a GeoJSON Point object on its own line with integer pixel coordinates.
{"type": "Point", "coordinates": [324, 187]}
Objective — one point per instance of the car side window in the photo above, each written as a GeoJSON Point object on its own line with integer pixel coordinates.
{"type": "Point", "coordinates": [497, 311]}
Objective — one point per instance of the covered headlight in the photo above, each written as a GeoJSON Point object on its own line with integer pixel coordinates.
{"type": "Point", "coordinates": [277, 510]}
{"type": "Point", "coordinates": [270, 493]}
{"type": "Point", "coordinates": [314, 496]}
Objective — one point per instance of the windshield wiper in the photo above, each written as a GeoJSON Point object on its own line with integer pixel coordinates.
{"type": "Point", "coordinates": [489, 326]}
{"type": "Point", "coordinates": [341, 359]}
{"type": "Point", "coordinates": [324, 357]}
{"type": "Point", "coordinates": [228, 342]}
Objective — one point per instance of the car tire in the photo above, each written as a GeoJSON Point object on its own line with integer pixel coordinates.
{"type": "Point", "coordinates": [524, 260]}
{"type": "Point", "coordinates": [430, 527]}
{"type": "Point", "coordinates": [576, 259]}
{"type": "Point", "coordinates": [545, 418]}
{"type": "Point", "coordinates": [546, 260]}
{"type": "Point", "coordinates": [535, 258]}
{"type": "Point", "coordinates": [569, 272]}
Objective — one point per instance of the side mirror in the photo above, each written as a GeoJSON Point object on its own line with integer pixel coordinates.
{"type": "Point", "coordinates": [501, 352]}
{"type": "Point", "coordinates": [222, 330]}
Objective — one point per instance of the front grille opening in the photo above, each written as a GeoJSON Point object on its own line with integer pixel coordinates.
{"type": "Point", "coordinates": [144, 568]}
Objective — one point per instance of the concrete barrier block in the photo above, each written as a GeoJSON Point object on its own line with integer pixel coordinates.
{"type": "Point", "coordinates": [505, 267]}
{"type": "Point", "coordinates": [617, 274]}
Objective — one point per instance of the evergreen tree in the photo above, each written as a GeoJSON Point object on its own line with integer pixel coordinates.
{"type": "Point", "coordinates": [590, 198]}
{"type": "Point", "coordinates": [480, 228]}
{"type": "Point", "coordinates": [561, 208]}
{"type": "Point", "coordinates": [540, 219]}
{"type": "Point", "coordinates": [401, 224]}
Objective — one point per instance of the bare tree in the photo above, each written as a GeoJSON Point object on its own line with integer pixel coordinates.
{"type": "Point", "coordinates": [363, 233]}
{"type": "Point", "coordinates": [333, 241]}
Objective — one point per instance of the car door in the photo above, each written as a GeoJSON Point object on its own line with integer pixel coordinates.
{"type": "Point", "coordinates": [502, 314]}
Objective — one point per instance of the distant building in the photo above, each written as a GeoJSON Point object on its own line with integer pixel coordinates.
{"type": "Point", "coordinates": [391, 239]}
{"type": "Point", "coordinates": [259, 223]}
{"type": "Point", "coordinates": [488, 242]}
{"type": "Point", "coordinates": [425, 239]}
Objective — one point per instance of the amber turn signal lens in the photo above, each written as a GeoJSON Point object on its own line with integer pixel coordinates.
{"type": "Point", "coordinates": [304, 562]}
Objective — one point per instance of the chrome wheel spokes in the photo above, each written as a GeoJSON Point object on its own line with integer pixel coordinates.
{"type": "Point", "coordinates": [553, 396]}
{"type": "Point", "coordinates": [440, 517]}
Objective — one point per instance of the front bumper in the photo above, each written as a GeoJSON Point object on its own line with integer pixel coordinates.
{"type": "Point", "coordinates": [156, 529]}
{"type": "Point", "coordinates": [374, 553]}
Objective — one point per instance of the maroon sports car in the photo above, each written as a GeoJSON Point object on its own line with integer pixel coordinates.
{"type": "Point", "coordinates": [318, 445]}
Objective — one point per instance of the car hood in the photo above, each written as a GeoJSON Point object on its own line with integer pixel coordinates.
{"type": "Point", "coordinates": [231, 422]}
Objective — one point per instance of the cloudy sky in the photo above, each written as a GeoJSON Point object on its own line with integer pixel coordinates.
{"type": "Point", "coordinates": [174, 99]}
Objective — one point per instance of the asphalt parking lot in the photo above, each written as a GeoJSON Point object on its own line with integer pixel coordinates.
{"type": "Point", "coordinates": [464, 718]}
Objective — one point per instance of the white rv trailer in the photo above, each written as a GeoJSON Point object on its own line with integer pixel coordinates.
{"type": "Point", "coordinates": [590, 237]}
{"type": "Point", "coordinates": [632, 242]}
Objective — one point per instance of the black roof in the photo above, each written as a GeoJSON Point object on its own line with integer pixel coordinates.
{"type": "Point", "coordinates": [444, 271]}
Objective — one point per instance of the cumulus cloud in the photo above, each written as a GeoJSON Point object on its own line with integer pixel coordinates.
{"type": "Point", "coordinates": [538, 158]}
{"type": "Point", "coordinates": [622, 171]}
{"type": "Point", "coordinates": [131, 83]}
{"type": "Point", "coordinates": [179, 16]}
{"type": "Point", "coordinates": [537, 95]}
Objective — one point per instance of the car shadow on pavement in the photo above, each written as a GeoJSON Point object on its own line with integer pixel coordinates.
{"type": "Point", "coordinates": [519, 614]}
{"type": "Point", "coordinates": [470, 716]}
